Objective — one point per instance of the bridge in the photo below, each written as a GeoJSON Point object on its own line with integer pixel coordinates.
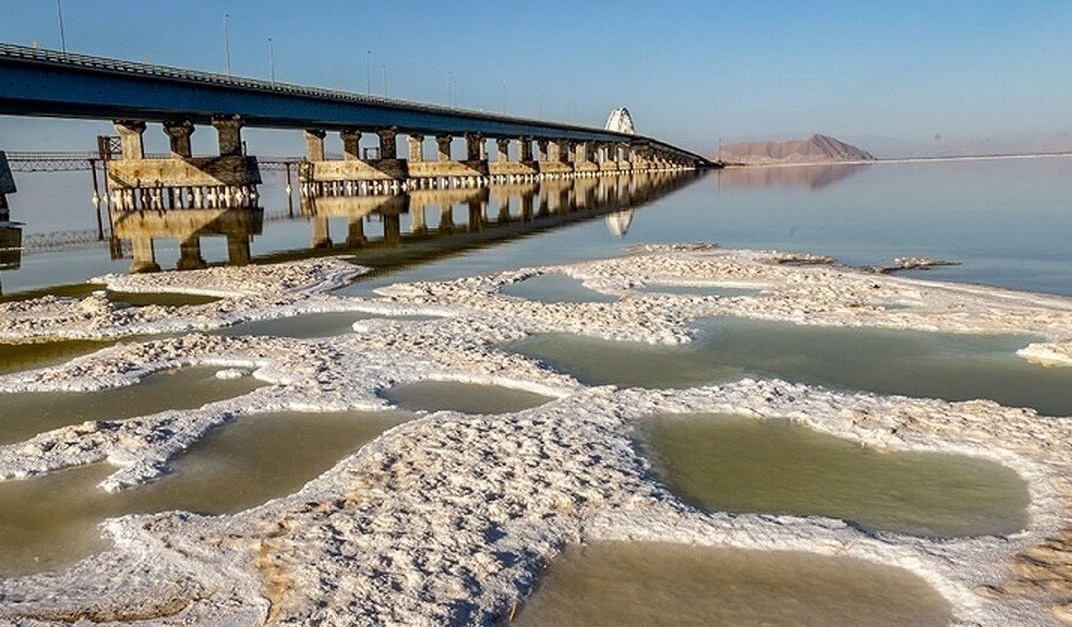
{"type": "Point", "coordinates": [48, 83]}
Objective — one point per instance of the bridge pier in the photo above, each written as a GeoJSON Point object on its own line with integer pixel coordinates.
{"type": "Point", "coordinates": [182, 180]}
{"type": "Point", "coordinates": [320, 175]}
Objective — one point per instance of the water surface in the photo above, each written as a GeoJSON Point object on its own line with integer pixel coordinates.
{"type": "Point", "coordinates": [26, 414]}
{"type": "Point", "coordinates": [51, 521]}
{"type": "Point", "coordinates": [912, 363]}
{"type": "Point", "coordinates": [643, 584]}
{"type": "Point", "coordinates": [556, 287]}
{"type": "Point", "coordinates": [468, 398]}
{"type": "Point", "coordinates": [739, 464]}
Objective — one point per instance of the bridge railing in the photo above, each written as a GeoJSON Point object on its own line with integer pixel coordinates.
{"type": "Point", "coordinates": [12, 51]}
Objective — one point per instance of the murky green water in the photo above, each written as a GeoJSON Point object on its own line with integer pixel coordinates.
{"type": "Point", "coordinates": [912, 363]}
{"type": "Point", "coordinates": [647, 584]}
{"type": "Point", "coordinates": [15, 357]}
{"type": "Point", "coordinates": [468, 398]}
{"type": "Point", "coordinates": [51, 521]}
{"type": "Point", "coordinates": [556, 288]}
{"type": "Point", "coordinates": [738, 464]}
{"type": "Point", "coordinates": [164, 299]}
{"type": "Point", "coordinates": [724, 291]}
{"type": "Point", "coordinates": [26, 414]}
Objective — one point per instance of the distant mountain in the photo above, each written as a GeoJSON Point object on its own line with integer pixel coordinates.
{"type": "Point", "coordinates": [815, 149]}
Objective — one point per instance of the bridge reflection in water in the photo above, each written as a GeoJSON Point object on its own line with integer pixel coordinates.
{"type": "Point", "coordinates": [389, 229]}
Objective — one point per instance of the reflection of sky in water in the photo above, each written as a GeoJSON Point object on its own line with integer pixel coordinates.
{"type": "Point", "coordinates": [1008, 221]}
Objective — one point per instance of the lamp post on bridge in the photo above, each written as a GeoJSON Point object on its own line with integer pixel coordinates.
{"type": "Point", "coordinates": [227, 40]}
{"type": "Point", "coordinates": [368, 74]}
{"type": "Point", "coordinates": [384, 67]}
{"type": "Point", "coordinates": [59, 17]}
{"type": "Point", "coordinates": [271, 60]}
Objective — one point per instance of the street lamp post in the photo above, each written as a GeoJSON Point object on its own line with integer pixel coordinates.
{"type": "Point", "coordinates": [384, 68]}
{"type": "Point", "coordinates": [271, 61]}
{"type": "Point", "coordinates": [450, 89]}
{"type": "Point", "coordinates": [63, 38]}
{"type": "Point", "coordinates": [368, 74]}
{"type": "Point", "coordinates": [227, 40]}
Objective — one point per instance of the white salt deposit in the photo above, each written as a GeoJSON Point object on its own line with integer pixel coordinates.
{"type": "Point", "coordinates": [448, 519]}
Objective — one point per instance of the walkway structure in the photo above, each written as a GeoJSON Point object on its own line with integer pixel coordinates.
{"type": "Point", "coordinates": [37, 82]}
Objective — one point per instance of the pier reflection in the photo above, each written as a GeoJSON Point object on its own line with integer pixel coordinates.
{"type": "Point", "coordinates": [10, 247]}
{"type": "Point", "coordinates": [416, 222]}
{"type": "Point", "coordinates": [435, 219]}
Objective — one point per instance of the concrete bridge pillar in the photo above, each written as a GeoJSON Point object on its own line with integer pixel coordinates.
{"type": "Point", "coordinates": [388, 145]}
{"type": "Point", "coordinates": [392, 227]}
{"type": "Point", "coordinates": [503, 145]}
{"type": "Point", "coordinates": [314, 144]}
{"type": "Point", "coordinates": [179, 132]}
{"type": "Point", "coordinates": [525, 148]}
{"type": "Point", "coordinates": [229, 133]}
{"type": "Point", "coordinates": [474, 145]}
{"type": "Point", "coordinates": [130, 138]}
{"type": "Point", "coordinates": [563, 149]}
{"type": "Point", "coordinates": [416, 148]}
{"type": "Point", "coordinates": [542, 150]}
{"type": "Point", "coordinates": [443, 144]}
{"type": "Point", "coordinates": [351, 139]}
{"type": "Point", "coordinates": [446, 218]}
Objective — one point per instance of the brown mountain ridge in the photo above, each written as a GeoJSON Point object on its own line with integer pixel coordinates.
{"type": "Point", "coordinates": [815, 149]}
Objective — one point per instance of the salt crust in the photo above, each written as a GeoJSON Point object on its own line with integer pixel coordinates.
{"type": "Point", "coordinates": [449, 519]}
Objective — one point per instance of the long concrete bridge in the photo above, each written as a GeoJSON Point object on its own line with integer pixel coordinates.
{"type": "Point", "coordinates": [37, 82]}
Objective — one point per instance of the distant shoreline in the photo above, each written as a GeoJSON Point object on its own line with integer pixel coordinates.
{"type": "Point", "coordinates": [1033, 155]}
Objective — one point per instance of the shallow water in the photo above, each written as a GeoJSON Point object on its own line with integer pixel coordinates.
{"type": "Point", "coordinates": [556, 288]}
{"type": "Point", "coordinates": [468, 398]}
{"type": "Point", "coordinates": [724, 291]}
{"type": "Point", "coordinates": [15, 357]}
{"type": "Point", "coordinates": [912, 363]}
{"type": "Point", "coordinates": [650, 584]}
{"type": "Point", "coordinates": [163, 299]}
{"type": "Point", "coordinates": [51, 521]}
{"type": "Point", "coordinates": [26, 414]}
{"type": "Point", "coordinates": [739, 464]}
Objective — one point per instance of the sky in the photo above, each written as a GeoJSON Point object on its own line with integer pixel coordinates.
{"type": "Point", "coordinates": [690, 72]}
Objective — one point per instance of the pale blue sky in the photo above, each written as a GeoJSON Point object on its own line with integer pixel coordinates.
{"type": "Point", "coordinates": [690, 72]}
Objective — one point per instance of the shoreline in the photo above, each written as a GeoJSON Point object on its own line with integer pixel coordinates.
{"type": "Point", "coordinates": [414, 500]}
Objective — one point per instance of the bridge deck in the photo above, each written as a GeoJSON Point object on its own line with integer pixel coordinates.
{"type": "Point", "coordinates": [46, 83]}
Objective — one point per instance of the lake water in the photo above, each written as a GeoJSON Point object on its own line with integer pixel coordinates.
{"type": "Point", "coordinates": [639, 584]}
{"type": "Point", "coordinates": [912, 363]}
{"type": "Point", "coordinates": [1006, 221]}
{"type": "Point", "coordinates": [740, 464]}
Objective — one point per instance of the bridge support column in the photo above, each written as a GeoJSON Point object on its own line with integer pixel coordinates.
{"type": "Point", "coordinates": [130, 138]}
{"type": "Point", "coordinates": [314, 144]}
{"type": "Point", "coordinates": [503, 145]}
{"type": "Point", "coordinates": [446, 218]}
{"type": "Point", "coordinates": [443, 145]}
{"type": "Point", "coordinates": [418, 225]}
{"type": "Point", "coordinates": [474, 147]}
{"type": "Point", "coordinates": [179, 132]}
{"type": "Point", "coordinates": [416, 148]}
{"type": "Point", "coordinates": [229, 135]}
{"type": "Point", "coordinates": [524, 145]}
{"type": "Point", "coordinates": [321, 231]}
{"type": "Point", "coordinates": [351, 140]}
{"type": "Point", "coordinates": [388, 143]}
